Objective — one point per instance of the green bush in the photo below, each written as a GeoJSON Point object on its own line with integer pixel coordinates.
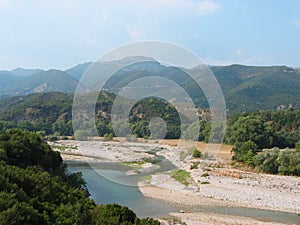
{"type": "Point", "coordinates": [245, 152]}
{"type": "Point", "coordinates": [114, 214]}
{"type": "Point", "coordinates": [108, 137]}
{"type": "Point", "coordinates": [282, 161]}
{"type": "Point", "coordinates": [196, 153]}
{"type": "Point", "coordinates": [205, 174]}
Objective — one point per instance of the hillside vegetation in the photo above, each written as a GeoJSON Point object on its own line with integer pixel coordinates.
{"type": "Point", "coordinates": [249, 133]}
{"type": "Point", "coordinates": [37, 189]}
{"type": "Point", "coordinates": [245, 88]}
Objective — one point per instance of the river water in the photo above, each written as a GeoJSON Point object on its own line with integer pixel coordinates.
{"type": "Point", "coordinates": [105, 191]}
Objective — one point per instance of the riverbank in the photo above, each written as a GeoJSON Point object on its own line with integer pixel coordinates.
{"type": "Point", "coordinates": [211, 182]}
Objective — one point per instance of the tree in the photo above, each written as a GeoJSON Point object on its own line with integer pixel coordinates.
{"type": "Point", "coordinates": [283, 161]}
{"type": "Point", "coordinates": [32, 194]}
{"type": "Point", "coordinates": [23, 148]}
{"type": "Point", "coordinates": [113, 214]}
{"type": "Point", "coordinates": [266, 161]}
{"type": "Point", "coordinates": [297, 146]}
{"type": "Point", "coordinates": [21, 213]}
{"type": "Point", "coordinates": [250, 128]}
{"type": "Point", "coordinates": [245, 152]}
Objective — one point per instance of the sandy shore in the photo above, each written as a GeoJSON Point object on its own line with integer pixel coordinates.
{"type": "Point", "coordinates": [211, 183]}
{"type": "Point", "coordinates": [217, 219]}
{"type": "Point", "coordinates": [98, 151]}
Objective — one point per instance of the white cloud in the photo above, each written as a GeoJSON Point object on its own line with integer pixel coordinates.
{"type": "Point", "coordinates": [207, 7]}
{"type": "Point", "coordinates": [239, 52]}
{"type": "Point", "coordinates": [188, 7]}
{"type": "Point", "coordinates": [6, 4]}
{"type": "Point", "coordinates": [134, 32]}
{"type": "Point", "coordinates": [296, 22]}
{"type": "Point", "coordinates": [199, 7]}
{"type": "Point", "coordinates": [240, 56]}
{"type": "Point", "coordinates": [90, 42]}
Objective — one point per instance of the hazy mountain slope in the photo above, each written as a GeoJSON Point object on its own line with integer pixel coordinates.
{"type": "Point", "coordinates": [7, 81]}
{"type": "Point", "coordinates": [246, 88]}
{"type": "Point", "coordinates": [10, 79]}
{"type": "Point", "coordinates": [275, 88]}
{"type": "Point", "coordinates": [78, 70]}
{"type": "Point", "coordinates": [25, 72]}
{"type": "Point", "coordinates": [48, 81]}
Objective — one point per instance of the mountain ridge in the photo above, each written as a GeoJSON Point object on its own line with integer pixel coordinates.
{"type": "Point", "coordinates": [246, 88]}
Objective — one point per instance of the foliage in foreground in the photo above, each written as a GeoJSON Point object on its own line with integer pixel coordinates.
{"type": "Point", "coordinates": [35, 188]}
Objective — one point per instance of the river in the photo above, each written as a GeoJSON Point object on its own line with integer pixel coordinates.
{"type": "Point", "coordinates": [105, 191]}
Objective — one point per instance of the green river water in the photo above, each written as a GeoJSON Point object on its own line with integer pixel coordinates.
{"type": "Point", "coordinates": [104, 191]}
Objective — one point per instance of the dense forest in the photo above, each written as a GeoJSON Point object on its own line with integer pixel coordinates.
{"type": "Point", "coordinates": [251, 134]}
{"type": "Point", "coordinates": [51, 114]}
{"type": "Point", "coordinates": [36, 188]}
{"type": "Point", "coordinates": [263, 140]}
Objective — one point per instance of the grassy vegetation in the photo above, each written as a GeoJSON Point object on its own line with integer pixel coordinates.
{"type": "Point", "coordinates": [205, 182]}
{"type": "Point", "coordinates": [205, 175]}
{"type": "Point", "coordinates": [190, 151]}
{"type": "Point", "coordinates": [134, 164]}
{"type": "Point", "coordinates": [63, 147]}
{"type": "Point", "coordinates": [182, 155]}
{"type": "Point", "coordinates": [182, 176]}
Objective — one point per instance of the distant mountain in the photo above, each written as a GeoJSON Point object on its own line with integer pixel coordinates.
{"type": "Point", "coordinates": [246, 88]}
{"type": "Point", "coordinates": [7, 81]}
{"type": "Point", "coordinates": [25, 72]}
{"type": "Point", "coordinates": [78, 70]}
{"type": "Point", "coordinates": [99, 70]}
{"type": "Point", "coordinates": [46, 81]}
{"type": "Point", "coordinates": [249, 88]}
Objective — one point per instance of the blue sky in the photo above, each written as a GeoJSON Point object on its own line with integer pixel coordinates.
{"type": "Point", "coordinates": [62, 33]}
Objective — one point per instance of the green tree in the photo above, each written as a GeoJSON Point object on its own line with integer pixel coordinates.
{"type": "Point", "coordinates": [113, 214]}
{"type": "Point", "coordinates": [245, 152]}
{"type": "Point", "coordinates": [23, 149]}
{"type": "Point", "coordinates": [267, 160]}
{"type": "Point", "coordinates": [250, 128]}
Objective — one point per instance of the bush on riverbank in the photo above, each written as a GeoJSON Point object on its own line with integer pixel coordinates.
{"type": "Point", "coordinates": [282, 161]}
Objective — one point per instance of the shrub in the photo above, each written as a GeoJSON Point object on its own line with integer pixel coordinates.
{"type": "Point", "coordinates": [196, 153]}
{"type": "Point", "coordinates": [81, 135]}
{"type": "Point", "coordinates": [108, 137]}
{"type": "Point", "coordinates": [245, 152]}
{"type": "Point", "coordinates": [205, 175]}
{"type": "Point", "coordinates": [283, 161]}
{"type": "Point", "coordinates": [194, 165]}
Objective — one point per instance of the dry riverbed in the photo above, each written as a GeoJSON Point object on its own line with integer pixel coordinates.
{"type": "Point", "coordinates": [209, 182]}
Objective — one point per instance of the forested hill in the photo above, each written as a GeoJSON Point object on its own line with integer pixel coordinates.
{"type": "Point", "coordinates": [50, 114]}
{"type": "Point", "coordinates": [246, 88]}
